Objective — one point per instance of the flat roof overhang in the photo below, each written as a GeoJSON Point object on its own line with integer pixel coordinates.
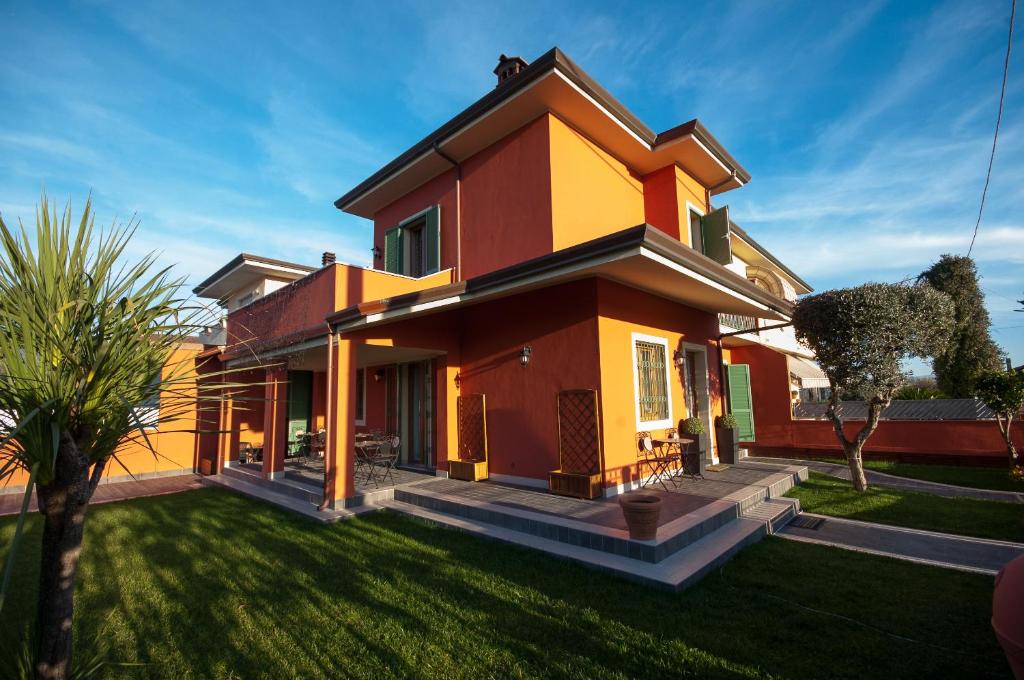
{"type": "Point", "coordinates": [245, 269]}
{"type": "Point", "coordinates": [555, 84]}
{"type": "Point", "coordinates": [641, 257]}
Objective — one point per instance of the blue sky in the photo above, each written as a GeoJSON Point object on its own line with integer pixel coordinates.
{"type": "Point", "coordinates": [234, 126]}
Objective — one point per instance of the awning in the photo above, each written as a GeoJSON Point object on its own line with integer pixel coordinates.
{"type": "Point", "coordinates": [806, 372]}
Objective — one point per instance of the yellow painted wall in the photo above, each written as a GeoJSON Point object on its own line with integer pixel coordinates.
{"type": "Point", "coordinates": [622, 312]}
{"type": "Point", "coordinates": [592, 193]}
{"type": "Point", "coordinates": [175, 449]}
{"type": "Point", "coordinates": [354, 285]}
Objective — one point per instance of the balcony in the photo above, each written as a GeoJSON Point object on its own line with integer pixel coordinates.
{"type": "Point", "coordinates": [737, 322]}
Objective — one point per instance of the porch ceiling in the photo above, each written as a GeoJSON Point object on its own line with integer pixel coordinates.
{"type": "Point", "coordinates": [378, 355]}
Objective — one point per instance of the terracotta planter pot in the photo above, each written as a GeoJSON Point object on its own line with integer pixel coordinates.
{"type": "Point", "coordinates": [205, 467]}
{"type": "Point", "coordinates": [641, 511]}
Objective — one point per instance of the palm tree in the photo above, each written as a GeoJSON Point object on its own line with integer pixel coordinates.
{"type": "Point", "coordinates": [84, 340]}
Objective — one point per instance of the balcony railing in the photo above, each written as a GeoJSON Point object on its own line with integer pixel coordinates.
{"type": "Point", "coordinates": [738, 322]}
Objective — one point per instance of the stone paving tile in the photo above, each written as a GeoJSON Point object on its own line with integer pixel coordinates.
{"type": "Point", "coordinates": [10, 504]}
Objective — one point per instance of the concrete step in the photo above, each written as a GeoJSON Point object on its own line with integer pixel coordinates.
{"type": "Point", "coordinates": [679, 570]}
{"type": "Point", "coordinates": [775, 513]}
{"type": "Point", "coordinates": [672, 537]}
{"type": "Point", "coordinates": [282, 485]}
{"type": "Point", "coordinates": [269, 494]}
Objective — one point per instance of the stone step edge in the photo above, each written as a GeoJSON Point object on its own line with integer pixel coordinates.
{"type": "Point", "coordinates": [680, 570]}
{"type": "Point", "coordinates": [284, 501]}
{"type": "Point", "coordinates": [673, 536]}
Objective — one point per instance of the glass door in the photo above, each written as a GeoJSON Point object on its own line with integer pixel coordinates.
{"type": "Point", "coordinates": [415, 401]}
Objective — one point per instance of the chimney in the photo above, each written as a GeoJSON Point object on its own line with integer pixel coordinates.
{"type": "Point", "coordinates": [328, 258]}
{"type": "Point", "coordinates": [508, 67]}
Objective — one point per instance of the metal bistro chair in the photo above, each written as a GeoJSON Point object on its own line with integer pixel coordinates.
{"type": "Point", "coordinates": [364, 460]}
{"type": "Point", "coordinates": [674, 452]}
{"type": "Point", "coordinates": [653, 457]}
{"type": "Point", "coordinates": [387, 457]}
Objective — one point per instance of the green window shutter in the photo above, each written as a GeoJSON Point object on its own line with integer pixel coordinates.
{"type": "Point", "coordinates": [393, 250]}
{"type": "Point", "coordinates": [740, 403]}
{"type": "Point", "coordinates": [432, 240]}
{"type": "Point", "coordinates": [715, 233]}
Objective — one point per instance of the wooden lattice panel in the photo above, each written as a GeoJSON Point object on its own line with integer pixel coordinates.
{"type": "Point", "coordinates": [579, 432]}
{"type": "Point", "coordinates": [472, 427]}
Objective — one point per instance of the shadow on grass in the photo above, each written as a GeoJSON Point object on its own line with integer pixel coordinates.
{"type": "Point", "coordinates": [210, 584]}
{"type": "Point", "coordinates": [964, 516]}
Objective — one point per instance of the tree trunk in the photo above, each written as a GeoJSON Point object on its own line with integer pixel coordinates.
{"type": "Point", "coordinates": [853, 449]}
{"type": "Point", "coordinates": [1006, 429]}
{"type": "Point", "coordinates": [63, 503]}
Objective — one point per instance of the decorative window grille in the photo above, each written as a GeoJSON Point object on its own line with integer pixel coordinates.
{"type": "Point", "coordinates": [652, 381]}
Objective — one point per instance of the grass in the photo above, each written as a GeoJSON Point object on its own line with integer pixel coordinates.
{"type": "Point", "coordinates": [965, 516]}
{"type": "Point", "coordinates": [997, 479]}
{"type": "Point", "coordinates": [210, 584]}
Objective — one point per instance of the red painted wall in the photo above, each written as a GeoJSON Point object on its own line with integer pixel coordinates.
{"type": "Point", "coordinates": [299, 306]}
{"type": "Point", "coordinates": [560, 325]}
{"type": "Point", "coordinates": [661, 208]}
{"type": "Point", "coordinates": [506, 204]}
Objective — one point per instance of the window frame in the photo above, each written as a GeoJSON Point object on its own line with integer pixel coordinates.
{"type": "Point", "coordinates": [642, 425]}
{"type": "Point", "coordinates": [690, 209]}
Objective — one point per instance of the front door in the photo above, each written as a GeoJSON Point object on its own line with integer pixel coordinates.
{"type": "Point", "coordinates": [414, 398]}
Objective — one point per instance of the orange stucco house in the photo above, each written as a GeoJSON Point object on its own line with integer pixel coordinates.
{"type": "Point", "coordinates": [549, 277]}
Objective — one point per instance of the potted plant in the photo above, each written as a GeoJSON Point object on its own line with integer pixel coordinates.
{"type": "Point", "coordinates": [728, 439]}
{"type": "Point", "coordinates": [641, 511]}
{"type": "Point", "coordinates": [694, 465]}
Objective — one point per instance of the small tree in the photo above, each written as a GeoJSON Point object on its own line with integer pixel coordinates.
{"type": "Point", "coordinates": [85, 338]}
{"type": "Point", "coordinates": [1003, 392]}
{"type": "Point", "coordinates": [971, 350]}
{"type": "Point", "coordinates": [860, 336]}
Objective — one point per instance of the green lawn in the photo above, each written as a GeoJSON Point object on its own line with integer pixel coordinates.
{"type": "Point", "coordinates": [210, 584]}
{"type": "Point", "coordinates": [966, 516]}
{"type": "Point", "coordinates": [960, 475]}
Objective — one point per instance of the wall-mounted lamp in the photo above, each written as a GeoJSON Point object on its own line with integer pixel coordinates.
{"type": "Point", "coordinates": [524, 354]}
{"type": "Point", "coordinates": [378, 375]}
{"type": "Point", "coordinates": [678, 358]}
{"type": "Point", "coordinates": [458, 380]}
{"type": "Point", "coordinates": [376, 252]}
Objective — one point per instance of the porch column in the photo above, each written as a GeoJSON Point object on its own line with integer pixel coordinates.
{"type": "Point", "coordinates": [339, 458]}
{"type": "Point", "coordinates": [275, 421]}
{"type": "Point", "coordinates": [225, 435]}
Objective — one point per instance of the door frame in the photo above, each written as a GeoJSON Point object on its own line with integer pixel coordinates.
{"type": "Point", "coordinates": [703, 394]}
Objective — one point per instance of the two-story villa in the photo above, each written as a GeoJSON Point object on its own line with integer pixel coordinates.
{"type": "Point", "coordinates": [550, 277]}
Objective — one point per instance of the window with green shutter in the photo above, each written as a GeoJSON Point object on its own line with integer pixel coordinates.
{"type": "Point", "coordinates": [413, 248]}
{"type": "Point", "coordinates": [741, 405]}
{"type": "Point", "coordinates": [716, 237]}
{"type": "Point", "coordinates": [652, 381]}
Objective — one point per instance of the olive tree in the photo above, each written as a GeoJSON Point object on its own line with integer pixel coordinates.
{"type": "Point", "coordinates": [85, 339]}
{"type": "Point", "coordinates": [860, 336]}
{"type": "Point", "coordinates": [1003, 392]}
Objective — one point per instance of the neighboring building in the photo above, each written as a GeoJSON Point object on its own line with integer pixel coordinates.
{"type": "Point", "coordinates": [544, 240]}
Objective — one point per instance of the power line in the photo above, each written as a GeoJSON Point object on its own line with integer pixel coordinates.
{"type": "Point", "coordinates": [999, 118]}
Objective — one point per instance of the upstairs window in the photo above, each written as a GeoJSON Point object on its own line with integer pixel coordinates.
{"type": "Point", "coordinates": [696, 235]}
{"type": "Point", "coordinates": [413, 248]}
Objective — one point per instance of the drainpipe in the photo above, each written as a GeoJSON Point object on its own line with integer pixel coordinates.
{"type": "Point", "coordinates": [458, 209]}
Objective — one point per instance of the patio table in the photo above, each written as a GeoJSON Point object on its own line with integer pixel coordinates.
{"type": "Point", "coordinates": [367, 455]}
{"type": "Point", "coordinates": [680, 444]}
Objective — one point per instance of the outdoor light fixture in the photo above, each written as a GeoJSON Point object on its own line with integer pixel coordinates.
{"type": "Point", "coordinates": [378, 375]}
{"type": "Point", "coordinates": [524, 355]}
{"type": "Point", "coordinates": [458, 380]}
{"type": "Point", "coordinates": [678, 358]}
{"type": "Point", "coordinates": [376, 253]}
